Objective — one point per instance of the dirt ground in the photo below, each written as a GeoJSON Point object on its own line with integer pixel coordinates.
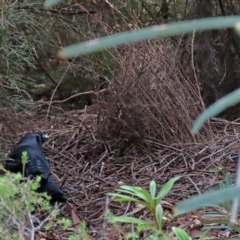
{"type": "Point", "coordinates": [87, 168]}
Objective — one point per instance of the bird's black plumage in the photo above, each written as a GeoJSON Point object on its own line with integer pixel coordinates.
{"type": "Point", "coordinates": [52, 190]}
{"type": "Point", "coordinates": [37, 164]}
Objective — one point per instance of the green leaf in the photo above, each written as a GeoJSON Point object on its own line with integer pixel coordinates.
{"type": "Point", "coordinates": [132, 235]}
{"type": "Point", "coordinates": [181, 234]}
{"type": "Point", "coordinates": [132, 220]}
{"type": "Point", "coordinates": [24, 157]}
{"type": "Point", "coordinates": [228, 100]}
{"type": "Point", "coordinates": [131, 193]}
{"type": "Point", "coordinates": [50, 3]}
{"type": "Point", "coordinates": [124, 198]}
{"type": "Point", "coordinates": [166, 189]}
{"type": "Point", "coordinates": [203, 235]}
{"type": "Point", "coordinates": [35, 184]}
{"type": "Point", "coordinates": [207, 199]}
{"type": "Point", "coordinates": [153, 189]}
{"type": "Point", "coordinates": [222, 185]}
{"type": "Point", "coordinates": [126, 191]}
{"type": "Point", "coordinates": [148, 33]}
{"type": "Point", "coordinates": [228, 180]}
{"type": "Point", "coordinates": [159, 215]}
{"type": "Point", "coordinates": [139, 192]}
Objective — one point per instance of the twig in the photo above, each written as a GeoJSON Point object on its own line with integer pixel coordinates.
{"type": "Point", "coordinates": [55, 89]}
{"type": "Point", "coordinates": [71, 97]}
{"type": "Point", "coordinates": [194, 185]}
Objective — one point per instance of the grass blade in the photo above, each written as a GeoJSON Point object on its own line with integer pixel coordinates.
{"type": "Point", "coordinates": [138, 191]}
{"type": "Point", "coordinates": [207, 199]}
{"type": "Point", "coordinates": [166, 189]}
{"type": "Point", "coordinates": [180, 233]}
{"type": "Point", "coordinates": [153, 188]}
{"type": "Point", "coordinates": [159, 215]}
{"type": "Point", "coordinates": [229, 100]}
{"type": "Point", "coordinates": [124, 198]}
{"type": "Point", "coordinates": [148, 33]}
{"type": "Point", "coordinates": [50, 3]}
{"type": "Point", "coordinates": [125, 219]}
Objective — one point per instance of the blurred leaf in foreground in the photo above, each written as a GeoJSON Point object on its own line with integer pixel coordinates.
{"type": "Point", "coordinates": [207, 199]}
{"type": "Point", "coordinates": [229, 100]}
{"type": "Point", "coordinates": [50, 3]}
{"type": "Point", "coordinates": [148, 33]}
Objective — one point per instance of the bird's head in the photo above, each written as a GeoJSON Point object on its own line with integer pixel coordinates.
{"type": "Point", "coordinates": [40, 138]}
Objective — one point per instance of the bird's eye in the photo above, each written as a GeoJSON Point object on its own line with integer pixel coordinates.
{"type": "Point", "coordinates": [39, 139]}
{"type": "Point", "coordinates": [44, 137]}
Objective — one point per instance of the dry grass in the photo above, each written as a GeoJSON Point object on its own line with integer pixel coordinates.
{"type": "Point", "coordinates": [151, 98]}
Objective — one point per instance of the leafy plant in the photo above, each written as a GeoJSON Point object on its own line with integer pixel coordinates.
{"type": "Point", "coordinates": [151, 200]}
{"type": "Point", "coordinates": [182, 235]}
{"type": "Point", "coordinates": [81, 233]}
{"type": "Point", "coordinates": [19, 204]}
{"type": "Point", "coordinates": [221, 212]}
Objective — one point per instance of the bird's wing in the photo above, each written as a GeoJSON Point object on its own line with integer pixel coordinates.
{"type": "Point", "coordinates": [13, 165]}
{"type": "Point", "coordinates": [38, 165]}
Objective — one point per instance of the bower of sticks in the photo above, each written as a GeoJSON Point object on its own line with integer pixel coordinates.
{"type": "Point", "coordinates": [87, 165]}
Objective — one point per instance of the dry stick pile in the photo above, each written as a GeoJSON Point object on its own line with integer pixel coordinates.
{"type": "Point", "coordinates": [87, 170]}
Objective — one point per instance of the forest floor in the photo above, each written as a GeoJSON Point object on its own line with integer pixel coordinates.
{"type": "Point", "coordinates": [87, 168]}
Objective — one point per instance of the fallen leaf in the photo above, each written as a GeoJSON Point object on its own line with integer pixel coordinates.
{"type": "Point", "coordinates": [76, 220]}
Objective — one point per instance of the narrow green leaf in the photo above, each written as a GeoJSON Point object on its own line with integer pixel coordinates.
{"type": "Point", "coordinates": [203, 235]}
{"type": "Point", "coordinates": [159, 215]}
{"type": "Point", "coordinates": [153, 189]}
{"type": "Point", "coordinates": [50, 3]}
{"type": "Point", "coordinates": [148, 33]}
{"type": "Point", "coordinates": [228, 100]}
{"type": "Point", "coordinates": [126, 192]}
{"type": "Point", "coordinates": [139, 192]}
{"type": "Point", "coordinates": [228, 180]}
{"type": "Point", "coordinates": [222, 185]}
{"type": "Point", "coordinates": [124, 198]}
{"type": "Point", "coordinates": [166, 189]}
{"type": "Point", "coordinates": [214, 215]}
{"type": "Point", "coordinates": [130, 188]}
{"type": "Point", "coordinates": [125, 219]}
{"type": "Point", "coordinates": [207, 199]}
{"type": "Point", "coordinates": [180, 234]}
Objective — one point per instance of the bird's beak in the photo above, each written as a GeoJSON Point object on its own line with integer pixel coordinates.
{"type": "Point", "coordinates": [45, 136]}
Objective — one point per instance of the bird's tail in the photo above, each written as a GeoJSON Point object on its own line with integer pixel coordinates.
{"type": "Point", "coordinates": [52, 190]}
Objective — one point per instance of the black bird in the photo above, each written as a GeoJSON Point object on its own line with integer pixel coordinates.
{"type": "Point", "coordinates": [52, 190]}
{"type": "Point", "coordinates": [37, 164]}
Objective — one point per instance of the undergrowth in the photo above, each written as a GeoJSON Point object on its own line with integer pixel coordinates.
{"type": "Point", "coordinates": [24, 212]}
{"type": "Point", "coordinates": [154, 226]}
